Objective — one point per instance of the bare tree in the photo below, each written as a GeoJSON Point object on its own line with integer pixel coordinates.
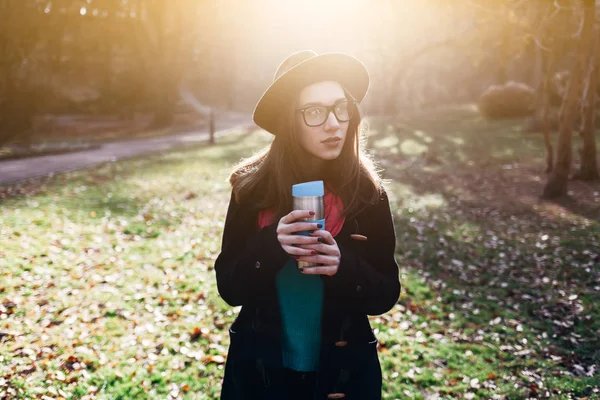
{"type": "Point", "coordinates": [547, 51]}
{"type": "Point", "coordinates": [165, 34]}
{"type": "Point", "coordinates": [20, 29]}
{"type": "Point", "coordinates": [544, 106]}
{"type": "Point", "coordinates": [588, 169]}
{"type": "Point", "coordinates": [557, 181]}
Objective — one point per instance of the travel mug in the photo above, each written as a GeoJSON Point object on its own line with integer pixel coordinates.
{"type": "Point", "coordinates": [309, 196]}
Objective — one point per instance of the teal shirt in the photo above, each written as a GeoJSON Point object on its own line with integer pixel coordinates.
{"type": "Point", "coordinates": [300, 300]}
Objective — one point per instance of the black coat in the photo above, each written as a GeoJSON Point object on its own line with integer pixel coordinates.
{"type": "Point", "coordinates": [366, 283]}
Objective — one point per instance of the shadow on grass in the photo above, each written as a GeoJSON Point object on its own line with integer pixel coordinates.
{"type": "Point", "coordinates": [496, 246]}
{"type": "Point", "coordinates": [535, 282]}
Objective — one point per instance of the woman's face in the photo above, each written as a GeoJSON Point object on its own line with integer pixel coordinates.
{"type": "Point", "coordinates": [317, 140]}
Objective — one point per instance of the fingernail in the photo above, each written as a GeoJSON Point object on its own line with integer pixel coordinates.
{"type": "Point", "coordinates": [319, 226]}
{"type": "Point", "coordinates": [311, 212]}
{"type": "Point", "coordinates": [321, 240]}
{"type": "Point", "coordinates": [314, 252]}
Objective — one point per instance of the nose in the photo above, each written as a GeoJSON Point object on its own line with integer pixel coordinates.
{"type": "Point", "coordinates": [332, 123]}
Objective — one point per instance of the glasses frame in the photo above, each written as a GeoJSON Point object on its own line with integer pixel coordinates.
{"type": "Point", "coordinates": [329, 109]}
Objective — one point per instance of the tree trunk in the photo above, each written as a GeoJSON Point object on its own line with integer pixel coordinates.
{"type": "Point", "coordinates": [544, 61]}
{"type": "Point", "coordinates": [588, 169]}
{"type": "Point", "coordinates": [17, 104]}
{"type": "Point", "coordinates": [161, 42]}
{"type": "Point", "coordinates": [543, 100]}
{"type": "Point", "coordinates": [164, 104]}
{"type": "Point", "coordinates": [557, 182]}
{"type": "Point", "coordinates": [536, 74]}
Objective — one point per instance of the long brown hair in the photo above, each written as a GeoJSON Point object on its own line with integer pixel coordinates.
{"type": "Point", "coordinates": [274, 170]}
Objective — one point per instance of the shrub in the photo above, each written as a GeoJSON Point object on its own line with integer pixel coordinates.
{"type": "Point", "coordinates": [513, 99]}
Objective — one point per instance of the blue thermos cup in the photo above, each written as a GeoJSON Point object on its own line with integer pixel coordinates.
{"type": "Point", "coordinates": [309, 196]}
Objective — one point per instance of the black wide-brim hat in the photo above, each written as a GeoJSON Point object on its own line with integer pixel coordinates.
{"type": "Point", "coordinates": [301, 69]}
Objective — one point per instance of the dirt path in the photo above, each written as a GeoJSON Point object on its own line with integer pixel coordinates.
{"type": "Point", "coordinates": [12, 171]}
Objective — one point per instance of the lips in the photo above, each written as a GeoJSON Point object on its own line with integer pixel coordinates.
{"type": "Point", "coordinates": [332, 140]}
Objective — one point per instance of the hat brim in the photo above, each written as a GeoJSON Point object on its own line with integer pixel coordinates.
{"type": "Point", "coordinates": [343, 68]}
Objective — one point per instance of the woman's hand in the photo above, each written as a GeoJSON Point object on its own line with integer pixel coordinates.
{"type": "Point", "coordinates": [329, 255]}
{"type": "Point", "coordinates": [291, 243]}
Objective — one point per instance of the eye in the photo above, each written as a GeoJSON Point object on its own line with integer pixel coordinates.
{"type": "Point", "coordinates": [314, 111]}
{"type": "Point", "coordinates": [342, 107]}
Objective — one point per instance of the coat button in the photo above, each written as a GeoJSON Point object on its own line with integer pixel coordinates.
{"type": "Point", "coordinates": [336, 395]}
{"type": "Point", "coordinates": [356, 236]}
{"type": "Point", "coordinates": [358, 288]}
{"type": "Point", "coordinates": [257, 265]}
{"type": "Point", "coordinates": [341, 343]}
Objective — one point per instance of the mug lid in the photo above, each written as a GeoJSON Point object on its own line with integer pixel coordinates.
{"type": "Point", "coordinates": [313, 188]}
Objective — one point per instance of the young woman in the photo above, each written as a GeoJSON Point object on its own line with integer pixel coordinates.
{"type": "Point", "coordinates": [304, 334]}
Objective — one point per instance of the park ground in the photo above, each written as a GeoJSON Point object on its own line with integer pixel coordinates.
{"type": "Point", "coordinates": [107, 287]}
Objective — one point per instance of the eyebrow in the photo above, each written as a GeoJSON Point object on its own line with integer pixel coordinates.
{"type": "Point", "coordinates": [316, 103]}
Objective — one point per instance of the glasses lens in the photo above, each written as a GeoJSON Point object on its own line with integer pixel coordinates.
{"type": "Point", "coordinates": [315, 115]}
{"type": "Point", "coordinates": [343, 111]}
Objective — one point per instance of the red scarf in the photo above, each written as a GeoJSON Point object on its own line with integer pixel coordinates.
{"type": "Point", "coordinates": [333, 214]}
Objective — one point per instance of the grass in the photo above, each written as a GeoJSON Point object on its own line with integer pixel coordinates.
{"type": "Point", "coordinates": [107, 287]}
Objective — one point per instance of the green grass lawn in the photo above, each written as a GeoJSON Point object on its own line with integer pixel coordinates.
{"type": "Point", "coordinates": [107, 286]}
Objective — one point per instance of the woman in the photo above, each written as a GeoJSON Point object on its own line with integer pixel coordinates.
{"type": "Point", "coordinates": [304, 334]}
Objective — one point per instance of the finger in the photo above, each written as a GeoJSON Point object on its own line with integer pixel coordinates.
{"type": "Point", "coordinates": [305, 226]}
{"type": "Point", "coordinates": [297, 214]}
{"type": "Point", "coordinates": [309, 247]}
{"type": "Point", "coordinates": [320, 259]}
{"type": "Point", "coordinates": [319, 270]}
{"type": "Point", "coordinates": [295, 239]}
{"type": "Point", "coordinates": [326, 235]}
{"type": "Point", "coordinates": [299, 227]}
{"type": "Point", "coordinates": [298, 251]}
{"type": "Point", "coordinates": [321, 248]}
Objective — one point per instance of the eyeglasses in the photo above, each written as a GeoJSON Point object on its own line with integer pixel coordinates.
{"type": "Point", "coordinates": [317, 115]}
